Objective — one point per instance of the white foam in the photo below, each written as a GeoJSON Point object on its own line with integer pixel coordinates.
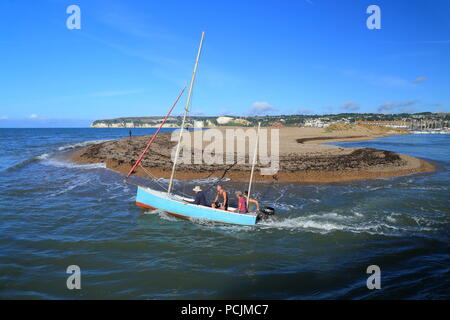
{"type": "Point", "coordinates": [329, 222]}
{"type": "Point", "coordinates": [72, 165]}
{"type": "Point", "coordinates": [43, 156]}
{"type": "Point", "coordinates": [80, 144]}
{"type": "Point", "coordinates": [303, 223]}
{"type": "Point", "coordinates": [391, 219]}
{"type": "Point", "coordinates": [165, 216]}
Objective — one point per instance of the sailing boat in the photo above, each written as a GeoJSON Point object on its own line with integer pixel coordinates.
{"type": "Point", "coordinates": [177, 205]}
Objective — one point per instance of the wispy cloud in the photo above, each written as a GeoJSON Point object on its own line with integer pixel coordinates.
{"type": "Point", "coordinates": [33, 116]}
{"type": "Point", "coordinates": [390, 106]}
{"type": "Point", "coordinates": [114, 93]}
{"type": "Point", "coordinates": [140, 53]}
{"type": "Point", "coordinates": [386, 107]}
{"type": "Point", "coordinates": [225, 113]}
{"type": "Point", "coordinates": [420, 79]}
{"type": "Point", "coordinates": [197, 113]}
{"type": "Point", "coordinates": [421, 42]}
{"type": "Point", "coordinates": [377, 79]}
{"type": "Point", "coordinates": [304, 111]}
{"type": "Point", "coordinates": [407, 103]}
{"type": "Point", "coordinates": [260, 108]}
{"type": "Point", "coordinates": [132, 22]}
{"type": "Point", "coordinates": [350, 106]}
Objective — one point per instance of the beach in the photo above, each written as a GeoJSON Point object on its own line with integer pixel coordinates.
{"type": "Point", "coordinates": [303, 157]}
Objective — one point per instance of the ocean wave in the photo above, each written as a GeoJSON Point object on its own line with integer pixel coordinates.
{"type": "Point", "coordinates": [28, 161]}
{"type": "Point", "coordinates": [59, 163]}
{"type": "Point", "coordinates": [48, 157]}
{"type": "Point", "coordinates": [80, 144]}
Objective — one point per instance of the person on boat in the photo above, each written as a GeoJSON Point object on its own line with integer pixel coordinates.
{"type": "Point", "coordinates": [200, 198]}
{"type": "Point", "coordinates": [221, 193]}
{"type": "Point", "coordinates": [242, 203]}
{"type": "Point", "coordinates": [250, 200]}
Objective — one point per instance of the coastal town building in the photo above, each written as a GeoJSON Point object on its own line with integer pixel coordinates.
{"type": "Point", "coordinates": [390, 124]}
{"type": "Point", "coordinates": [198, 124]}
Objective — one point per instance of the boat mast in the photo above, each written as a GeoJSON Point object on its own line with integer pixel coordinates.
{"type": "Point", "coordinates": [186, 109]}
{"type": "Point", "coordinates": [138, 162]}
{"type": "Point", "coordinates": [255, 153]}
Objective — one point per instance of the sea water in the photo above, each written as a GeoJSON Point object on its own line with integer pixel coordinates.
{"type": "Point", "coordinates": [55, 213]}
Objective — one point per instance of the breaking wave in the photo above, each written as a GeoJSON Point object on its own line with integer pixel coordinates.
{"type": "Point", "coordinates": [80, 144]}
{"type": "Point", "coordinates": [28, 161]}
{"type": "Point", "coordinates": [72, 165]}
{"type": "Point", "coordinates": [50, 158]}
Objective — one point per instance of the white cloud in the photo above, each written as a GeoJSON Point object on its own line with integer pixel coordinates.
{"type": "Point", "coordinates": [260, 108]}
{"type": "Point", "coordinates": [33, 116]}
{"type": "Point", "coordinates": [420, 79]}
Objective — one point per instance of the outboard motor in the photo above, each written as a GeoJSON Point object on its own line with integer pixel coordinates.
{"type": "Point", "coordinates": [265, 213]}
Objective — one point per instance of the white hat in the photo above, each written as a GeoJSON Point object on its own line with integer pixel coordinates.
{"type": "Point", "coordinates": [197, 189]}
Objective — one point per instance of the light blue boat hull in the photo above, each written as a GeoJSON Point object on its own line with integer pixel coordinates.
{"type": "Point", "coordinates": [172, 204]}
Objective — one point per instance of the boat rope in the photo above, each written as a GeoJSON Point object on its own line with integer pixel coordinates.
{"type": "Point", "coordinates": [156, 180]}
{"type": "Point", "coordinates": [153, 177]}
{"type": "Point", "coordinates": [155, 134]}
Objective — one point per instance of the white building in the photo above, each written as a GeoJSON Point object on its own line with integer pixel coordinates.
{"type": "Point", "coordinates": [198, 124]}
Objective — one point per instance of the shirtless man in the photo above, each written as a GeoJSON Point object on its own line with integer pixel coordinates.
{"type": "Point", "coordinates": [223, 203]}
{"type": "Point", "coordinates": [250, 200]}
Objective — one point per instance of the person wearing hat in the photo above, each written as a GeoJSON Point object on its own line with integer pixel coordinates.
{"type": "Point", "coordinates": [200, 198]}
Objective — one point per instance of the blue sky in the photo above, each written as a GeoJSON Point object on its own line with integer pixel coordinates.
{"type": "Point", "coordinates": [131, 58]}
